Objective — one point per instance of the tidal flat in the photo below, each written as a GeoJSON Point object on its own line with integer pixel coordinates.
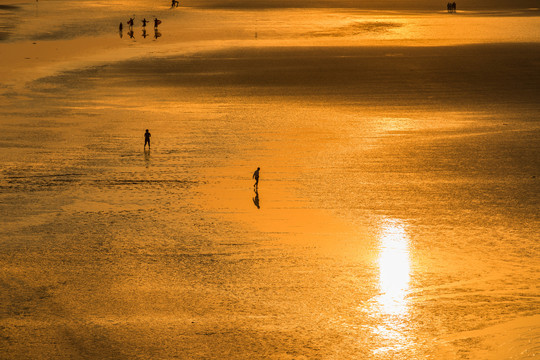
{"type": "Point", "coordinates": [396, 215]}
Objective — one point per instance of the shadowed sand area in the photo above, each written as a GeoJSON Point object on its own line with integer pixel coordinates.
{"type": "Point", "coordinates": [397, 212]}
{"type": "Point", "coordinates": [459, 76]}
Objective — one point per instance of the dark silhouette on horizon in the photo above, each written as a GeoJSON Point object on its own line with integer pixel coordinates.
{"type": "Point", "coordinates": [156, 23]}
{"type": "Point", "coordinates": [256, 199]}
{"type": "Point", "coordinates": [451, 7]}
{"type": "Point", "coordinates": [147, 136]}
{"type": "Point", "coordinates": [256, 177]}
{"type": "Point", "coordinates": [174, 3]}
{"type": "Point", "coordinates": [130, 23]}
{"type": "Point", "coordinates": [144, 22]}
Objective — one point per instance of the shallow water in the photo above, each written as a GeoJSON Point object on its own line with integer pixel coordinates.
{"type": "Point", "coordinates": [396, 217]}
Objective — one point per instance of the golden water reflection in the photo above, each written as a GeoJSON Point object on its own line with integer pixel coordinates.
{"type": "Point", "coordinates": [394, 268]}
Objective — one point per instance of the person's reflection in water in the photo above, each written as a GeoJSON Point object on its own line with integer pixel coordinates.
{"type": "Point", "coordinates": [256, 199]}
{"type": "Point", "coordinates": [144, 34]}
{"type": "Point", "coordinates": [131, 34]}
{"type": "Point", "coordinates": [147, 157]}
{"type": "Point", "coordinates": [157, 34]}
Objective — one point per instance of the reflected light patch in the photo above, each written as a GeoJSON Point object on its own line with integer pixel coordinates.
{"type": "Point", "coordinates": [394, 268]}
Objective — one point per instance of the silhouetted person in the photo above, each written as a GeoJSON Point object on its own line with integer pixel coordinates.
{"type": "Point", "coordinates": [256, 177]}
{"type": "Point", "coordinates": [120, 27]}
{"type": "Point", "coordinates": [130, 22]}
{"type": "Point", "coordinates": [147, 138]}
{"type": "Point", "coordinates": [256, 199]}
{"type": "Point", "coordinates": [144, 22]}
{"type": "Point", "coordinates": [156, 34]}
{"type": "Point", "coordinates": [156, 23]}
{"type": "Point", "coordinates": [454, 6]}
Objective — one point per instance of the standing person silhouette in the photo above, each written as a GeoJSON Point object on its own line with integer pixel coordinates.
{"type": "Point", "coordinates": [147, 138]}
{"type": "Point", "coordinates": [256, 177]}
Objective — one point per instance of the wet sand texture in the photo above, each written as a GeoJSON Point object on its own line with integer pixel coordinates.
{"type": "Point", "coordinates": [398, 200]}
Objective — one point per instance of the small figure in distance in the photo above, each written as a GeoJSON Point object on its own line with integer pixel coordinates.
{"type": "Point", "coordinates": [130, 23]}
{"type": "Point", "coordinates": [144, 22]}
{"type": "Point", "coordinates": [156, 23]}
{"type": "Point", "coordinates": [256, 177]}
{"type": "Point", "coordinates": [147, 139]}
{"type": "Point", "coordinates": [120, 27]}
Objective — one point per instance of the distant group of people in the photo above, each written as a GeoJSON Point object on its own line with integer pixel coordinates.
{"type": "Point", "coordinates": [451, 7]}
{"type": "Point", "coordinates": [131, 22]}
{"type": "Point", "coordinates": [255, 176]}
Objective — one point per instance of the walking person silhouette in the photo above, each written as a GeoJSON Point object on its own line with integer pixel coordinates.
{"type": "Point", "coordinates": [256, 177]}
{"type": "Point", "coordinates": [147, 139]}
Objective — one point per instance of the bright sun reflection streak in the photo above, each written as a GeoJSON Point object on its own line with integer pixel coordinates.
{"type": "Point", "coordinates": [394, 269]}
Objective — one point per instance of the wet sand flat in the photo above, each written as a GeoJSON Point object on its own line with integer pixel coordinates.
{"type": "Point", "coordinates": [397, 214]}
{"type": "Point", "coordinates": [459, 76]}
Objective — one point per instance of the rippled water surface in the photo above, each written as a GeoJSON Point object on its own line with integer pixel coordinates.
{"type": "Point", "coordinates": [397, 211]}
